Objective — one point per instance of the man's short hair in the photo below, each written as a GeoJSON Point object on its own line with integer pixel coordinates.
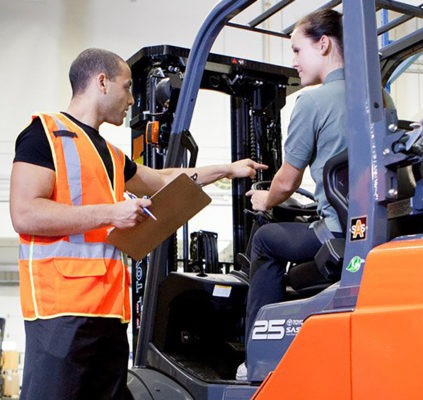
{"type": "Point", "coordinates": [91, 62]}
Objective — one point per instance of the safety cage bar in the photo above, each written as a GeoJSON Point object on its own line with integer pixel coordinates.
{"type": "Point", "coordinates": [406, 11]}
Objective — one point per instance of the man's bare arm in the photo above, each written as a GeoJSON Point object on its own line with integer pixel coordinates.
{"type": "Point", "coordinates": [33, 212]}
{"type": "Point", "coordinates": [147, 180]}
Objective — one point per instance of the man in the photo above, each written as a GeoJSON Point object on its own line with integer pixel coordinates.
{"type": "Point", "coordinates": [67, 190]}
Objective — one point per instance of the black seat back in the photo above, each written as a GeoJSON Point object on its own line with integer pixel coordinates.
{"type": "Point", "coordinates": [335, 182]}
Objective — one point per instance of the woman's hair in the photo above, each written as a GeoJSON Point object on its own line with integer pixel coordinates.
{"type": "Point", "coordinates": [92, 62]}
{"type": "Point", "coordinates": [323, 22]}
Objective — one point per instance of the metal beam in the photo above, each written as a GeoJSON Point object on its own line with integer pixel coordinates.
{"type": "Point", "coordinates": [258, 30]}
{"type": "Point", "coordinates": [211, 27]}
{"type": "Point", "coordinates": [394, 23]}
{"type": "Point", "coordinates": [271, 11]}
{"type": "Point", "coordinates": [392, 55]}
{"type": "Point", "coordinates": [366, 130]}
{"type": "Point", "coordinates": [400, 7]}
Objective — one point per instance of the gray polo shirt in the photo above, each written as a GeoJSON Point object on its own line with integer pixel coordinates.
{"type": "Point", "coordinates": [316, 133]}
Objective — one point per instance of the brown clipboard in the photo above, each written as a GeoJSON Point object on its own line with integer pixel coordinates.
{"type": "Point", "coordinates": [173, 205]}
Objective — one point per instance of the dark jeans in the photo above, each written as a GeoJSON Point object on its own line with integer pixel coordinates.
{"type": "Point", "coordinates": [75, 358]}
{"type": "Point", "coordinates": [273, 246]}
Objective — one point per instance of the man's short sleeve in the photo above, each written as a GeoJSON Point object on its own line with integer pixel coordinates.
{"type": "Point", "coordinates": [130, 168]}
{"type": "Point", "coordinates": [32, 146]}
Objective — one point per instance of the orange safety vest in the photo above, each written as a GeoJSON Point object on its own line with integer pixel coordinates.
{"type": "Point", "coordinates": [77, 274]}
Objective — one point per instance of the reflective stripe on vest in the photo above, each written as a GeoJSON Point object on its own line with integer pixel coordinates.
{"type": "Point", "coordinates": [69, 250]}
{"type": "Point", "coordinates": [73, 174]}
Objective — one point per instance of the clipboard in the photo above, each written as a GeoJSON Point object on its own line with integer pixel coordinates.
{"type": "Point", "coordinates": [173, 205]}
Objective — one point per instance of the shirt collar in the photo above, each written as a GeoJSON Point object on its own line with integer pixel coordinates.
{"type": "Point", "coordinates": [335, 75]}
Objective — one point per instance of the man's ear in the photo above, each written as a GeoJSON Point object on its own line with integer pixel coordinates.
{"type": "Point", "coordinates": [102, 82]}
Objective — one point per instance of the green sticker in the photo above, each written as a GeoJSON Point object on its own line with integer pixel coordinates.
{"type": "Point", "coordinates": [355, 264]}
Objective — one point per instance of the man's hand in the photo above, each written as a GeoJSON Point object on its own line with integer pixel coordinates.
{"type": "Point", "coordinates": [244, 168]}
{"type": "Point", "coordinates": [129, 213]}
{"type": "Point", "coordinates": [258, 199]}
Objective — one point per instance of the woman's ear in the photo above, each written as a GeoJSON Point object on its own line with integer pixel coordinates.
{"type": "Point", "coordinates": [325, 44]}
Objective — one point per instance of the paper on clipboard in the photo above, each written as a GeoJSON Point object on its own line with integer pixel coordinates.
{"type": "Point", "coordinates": [173, 205]}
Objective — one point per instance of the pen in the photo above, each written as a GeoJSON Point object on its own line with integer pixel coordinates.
{"type": "Point", "coordinates": [145, 209]}
{"type": "Point", "coordinates": [149, 213]}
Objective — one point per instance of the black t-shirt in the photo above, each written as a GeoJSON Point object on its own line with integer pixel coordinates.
{"type": "Point", "coordinates": [32, 146]}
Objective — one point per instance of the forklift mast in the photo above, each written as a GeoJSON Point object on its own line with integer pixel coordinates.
{"type": "Point", "coordinates": [257, 94]}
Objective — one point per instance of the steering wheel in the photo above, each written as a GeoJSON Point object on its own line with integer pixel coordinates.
{"type": "Point", "coordinates": [301, 203]}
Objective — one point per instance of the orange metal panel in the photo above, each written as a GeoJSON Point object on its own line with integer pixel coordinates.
{"type": "Point", "coordinates": [387, 326]}
{"type": "Point", "coordinates": [393, 275]}
{"type": "Point", "coordinates": [316, 366]}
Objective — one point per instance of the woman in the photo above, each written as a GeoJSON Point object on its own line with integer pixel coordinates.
{"type": "Point", "coordinates": [316, 133]}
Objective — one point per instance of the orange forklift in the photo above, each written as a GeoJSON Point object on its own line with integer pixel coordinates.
{"type": "Point", "coordinates": [352, 326]}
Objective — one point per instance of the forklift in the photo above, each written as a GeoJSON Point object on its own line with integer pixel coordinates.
{"type": "Point", "coordinates": [351, 326]}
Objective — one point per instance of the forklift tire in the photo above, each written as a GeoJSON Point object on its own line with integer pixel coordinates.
{"type": "Point", "coordinates": [148, 384]}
